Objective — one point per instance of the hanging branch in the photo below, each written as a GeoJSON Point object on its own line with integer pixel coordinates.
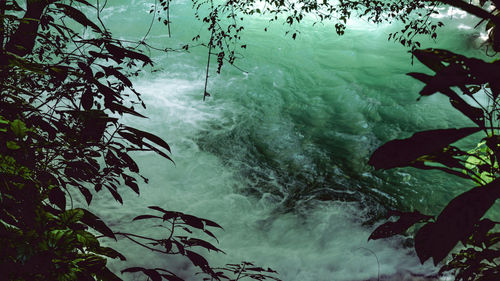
{"type": "Point", "coordinates": [168, 17]}
{"type": "Point", "coordinates": [205, 93]}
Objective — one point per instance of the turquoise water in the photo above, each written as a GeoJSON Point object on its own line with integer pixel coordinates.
{"type": "Point", "coordinates": [278, 155]}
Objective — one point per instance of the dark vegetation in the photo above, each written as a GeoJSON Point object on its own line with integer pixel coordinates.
{"type": "Point", "coordinates": [63, 94]}
{"type": "Point", "coordinates": [61, 102]}
{"type": "Point", "coordinates": [463, 220]}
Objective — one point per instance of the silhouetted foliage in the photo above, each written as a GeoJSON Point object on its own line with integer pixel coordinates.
{"type": "Point", "coordinates": [62, 97]}
{"type": "Point", "coordinates": [462, 220]}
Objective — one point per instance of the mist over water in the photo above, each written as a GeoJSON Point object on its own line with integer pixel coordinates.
{"type": "Point", "coordinates": [278, 155]}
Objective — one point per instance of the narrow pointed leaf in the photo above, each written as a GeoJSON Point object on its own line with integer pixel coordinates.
{"type": "Point", "coordinates": [96, 223]}
{"type": "Point", "coordinates": [406, 220]}
{"type": "Point", "coordinates": [78, 16]}
{"type": "Point", "coordinates": [143, 217]}
{"type": "Point", "coordinates": [150, 137]}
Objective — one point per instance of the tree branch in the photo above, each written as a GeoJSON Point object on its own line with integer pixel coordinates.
{"type": "Point", "coordinates": [471, 9]}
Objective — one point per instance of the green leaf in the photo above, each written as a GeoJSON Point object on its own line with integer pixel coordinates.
{"type": "Point", "coordinates": [3, 120]}
{"type": "Point", "coordinates": [18, 127]}
{"type": "Point", "coordinates": [86, 193]}
{"type": "Point", "coordinates": [161, 153]}
{"type": "Point", "coordinates": [212, 223]}
{"type": "Point", "coordinates": [61, 238]}
{"type": "Point", "coordinates": [87, 239]}
{"type": "Point", "coordinates": [71, 216]}
{"type": "Point", "coordinates": [12, 145]}
{"type": "Point", "coordinates": [92, 263]}
{"type": "Point", "coordinates": [474, 113]}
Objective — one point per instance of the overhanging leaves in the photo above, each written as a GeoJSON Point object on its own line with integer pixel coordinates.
{"type": "Point", "coordinates": [455, 223]}
{"type": "Point", "coordinates": [96, 223]}
{"type": "Point", "coordinates": [474, 113]}
{"type": "Point", "coordinates": [401, 153]}
{"type": "Point", "coordinates": [406, 220]}
{"type": "Point", "coordinates": [149, 136]}
{"type": "Point", "coordinates": [151, 273]}
{"type": "Point", "coordinates": [78, 16]}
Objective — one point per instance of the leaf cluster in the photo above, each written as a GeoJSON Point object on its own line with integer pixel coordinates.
{"type": "Point", "coordinates": [461, 79]}
{"type": "Point", "coordinates": [65, 85]}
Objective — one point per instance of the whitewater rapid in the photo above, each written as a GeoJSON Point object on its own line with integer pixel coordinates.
{"type": "Point", "coordinates": [278, 154]}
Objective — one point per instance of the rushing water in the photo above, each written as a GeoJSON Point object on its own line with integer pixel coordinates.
{"type": "Point", "coordinates": [278, 155]}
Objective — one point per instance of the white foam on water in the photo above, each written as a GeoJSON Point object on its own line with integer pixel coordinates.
{"type": "Point", "coordinates": [351, 93]}
{"type": "Point", "coordinates": [326, 242]}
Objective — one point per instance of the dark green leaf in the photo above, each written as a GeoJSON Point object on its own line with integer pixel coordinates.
{"type": "Point", "coordinates": [133, 269]}
{"type": "Point", "coordinates": [430, 58]}
{"type": "Point", "coordinates": [400, 153]}
{"type": "Point", "coordinates": [86, 193]}
{"type": "Point", "coordinates": [92, 263]}
{"type": "Point", "coordinates": [406, 220]}
{"type": "Point", "coordinates": [150, 137]}
{"type": "Point", "coordinates": [151, 273]}
{"type": "Point", "coordinates": [158, 209]}
{"type": "Point", "coordinates": [114, 71]}
{"type": "Point", "coordinates": [198, 260]}
{"type": "Point", "coordinates": [58, 198]}
{"type": "Point", "coordinates": [87, 99]}
{"type": "Point", "coordinates": [212, 223]}
{"type": "Point", "coordinates": [85, 3]}
{"type": "Point", "coordinates": [114, 193]}
{"type": "Point", "coordinates": [192, 221]}
{"type": "Point", "coordinates": [475, 114]}
{"type": "Point", "coordinates": [78, 16]}
{"type": "Point", "coordinates": [198, 242]}
{"type": "Point", "coordinates": [130, 182]}
{"type": "Point", "coordinates": [106, 275]}
{"type": "Point", "coordinates": [96, 223]}
{"type": "Point", "coordinates": [123, 109]}
{"type": "Point", "coordinates": [72, 216]}
{"type": "Point", "coordinates": [171, 277]}
{"type": "Point", "coordinates": [211, 234]}
{"type": "Point", "coordinates": [143, 217]}
{"type": "Point", "coordinates": [109, 252]}
{"type": "Point", "coordinates": [161, 153]}
{"type": "Point", "coordinates": [130, 162]}
{"type": "Point", "coordinates": [456, 222]}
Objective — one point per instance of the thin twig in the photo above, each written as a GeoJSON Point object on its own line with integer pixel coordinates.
{"type": "Point", "coordinates": [205, 94]}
